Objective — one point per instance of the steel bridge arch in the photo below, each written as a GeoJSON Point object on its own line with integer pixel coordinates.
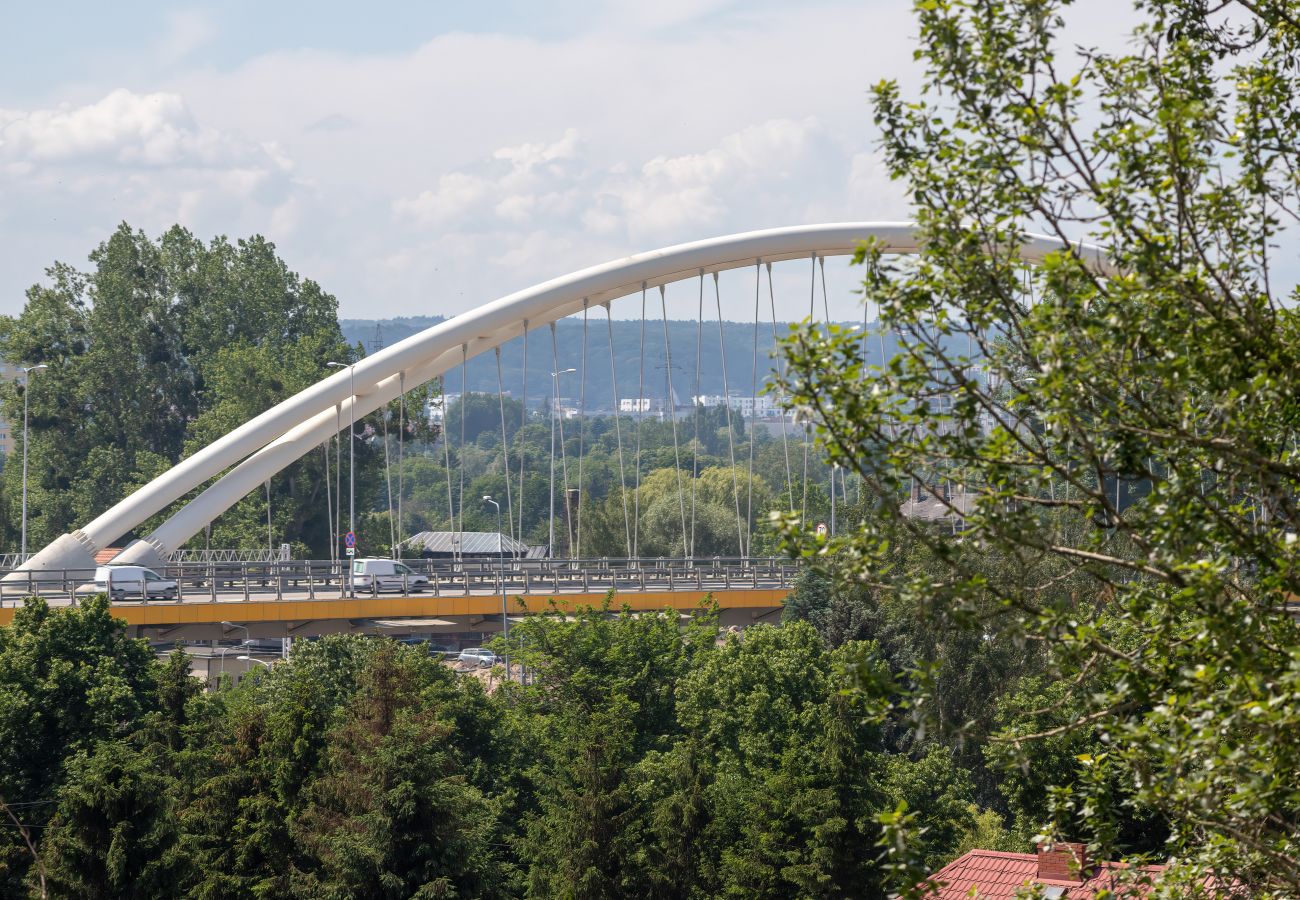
{"type": "Point", "coordinates": [269, 442]}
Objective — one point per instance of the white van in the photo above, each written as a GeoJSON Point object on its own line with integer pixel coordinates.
{"type": "Point", "coordinates": [126, 582]}
{"type": "Point", "coordinates": [372, 574]}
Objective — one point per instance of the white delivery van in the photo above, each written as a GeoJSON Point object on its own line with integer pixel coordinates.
{"type": "Point", "coordinates": [128, 582]}
{"type": "Point", "coordinates": [372, 574]}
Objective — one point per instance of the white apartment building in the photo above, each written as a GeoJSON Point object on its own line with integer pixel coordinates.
{"type": "Point", "coordinates": [750, 407]}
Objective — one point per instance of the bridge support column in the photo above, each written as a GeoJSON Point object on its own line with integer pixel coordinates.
{"type": "Point", "coordinates": [72, 551]}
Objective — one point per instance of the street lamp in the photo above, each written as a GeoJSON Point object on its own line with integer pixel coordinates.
{"type": "Point", "coordinates": [247, 658]}
{"type": "Point", "coordinates": [223, 651]}
{"type": "Point", "coordinates": [501, 555]}
{"type": "Point", "coordinates": [555, 401]}
{"type": "Point", "coordinates": [352, 483]}
{"type": "Point", "coordinates": [835, 468]}
{"type": "Point", "coordinates": [22, 550]}
{"type": "Point", "coordinates": [248, 635]}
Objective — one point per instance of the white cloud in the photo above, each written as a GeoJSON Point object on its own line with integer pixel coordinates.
{"type": "Point", "coordinates": [123, 129]}
{"type": "Point", "coordinates": [426, 180]}
{"type": "Point", "coordinates": [515, 185]}
{"type": "Point", "coordinates": [187, 31]}
{"type": "Point", "coordinates": [70, 173]}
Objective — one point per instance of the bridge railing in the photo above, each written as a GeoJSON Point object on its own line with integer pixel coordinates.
{"type": "Point", "coordinates": [219, 580]}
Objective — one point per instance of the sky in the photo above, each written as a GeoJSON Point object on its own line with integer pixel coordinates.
{"type": "Point", "coordinates": [421, 158]}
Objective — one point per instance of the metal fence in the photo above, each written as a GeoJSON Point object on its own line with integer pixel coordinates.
{"type": "Point", "coordinates": [259, 555]}
{"type": "Point", "coordinates": [215, 580]}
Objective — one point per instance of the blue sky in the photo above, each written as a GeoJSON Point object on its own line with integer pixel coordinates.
{"type": "Point", "coordinates": [420, 157]}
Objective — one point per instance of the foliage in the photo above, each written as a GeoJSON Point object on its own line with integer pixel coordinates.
{"type": "Point", "coordinates": [161, 346]}
{"type": "Point", "coordinates": [1124, 426]}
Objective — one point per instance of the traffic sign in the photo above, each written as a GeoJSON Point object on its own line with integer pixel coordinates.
{"type": "Point", "coordinates": [350, 540]}
{"type": "Point", "coordinates": [351, 551]}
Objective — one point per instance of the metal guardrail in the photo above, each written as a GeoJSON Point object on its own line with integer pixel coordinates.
{"type": "Point", "coordinates": [261, 554]}
{"type": "Point", "coordinates": [325, 579]}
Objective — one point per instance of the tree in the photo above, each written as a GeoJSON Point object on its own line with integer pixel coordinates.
{"type": "Point", "coordinates": [792, 778]}
{"type": "Point", "coordinates": [1126, 422]}
{"type": "Point", "coordinates": [161, 346]}
{"type": "Point", "coordinates": [114, 830]}
{"type": "Point", "coordinates": [69, 679]}
{"type": "Point", "coordinates": [390, 814]}
{"type": "Point", "coordinates": [581, 844]}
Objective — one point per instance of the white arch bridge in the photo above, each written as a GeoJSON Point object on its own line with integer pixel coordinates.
{"type": "Point", "coordinates": [261, 447]}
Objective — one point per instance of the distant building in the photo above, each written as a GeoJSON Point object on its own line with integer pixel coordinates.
{"type": "Point", "coordinates": [437, 406]}
{"type": "Point", "coordinates": [635, 405]}
{"type": "Point", "coordinates": [941, 502]}
{"type": "Point", "coordinates": [749, 407]}
{"type": "Point", "coordinates": [475, 544]}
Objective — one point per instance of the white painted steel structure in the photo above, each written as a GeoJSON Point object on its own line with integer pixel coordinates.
{"type": "Point", "coordinates": [267, 443]}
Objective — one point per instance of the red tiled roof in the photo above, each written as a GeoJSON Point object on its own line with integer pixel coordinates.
{"type": "Point", "coordinates": [106, 555]}
{"type": "Point", "coordinates": [997, 876]}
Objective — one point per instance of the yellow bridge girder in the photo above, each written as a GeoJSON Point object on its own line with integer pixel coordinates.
{"type": "Point", "coordinates": [193, 612]}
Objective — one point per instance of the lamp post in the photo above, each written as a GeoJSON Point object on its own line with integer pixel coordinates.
{"type": "Point", "coordinates": [247, 658]}
{"type": "Point", "coordinates": [27, 381]}
{"type": "Point", "coordinates": [555, 401]}
{"type": "Point", "coordinates": [352, 482]}
{"type": "Point", "coordinates": [501, 556]}
{"type": "Point", "coordinates": [248, 635]}
{"type": "Point", "coordinates": [223, 651]}
{"type": "Point", "coordinates": [835, 467]}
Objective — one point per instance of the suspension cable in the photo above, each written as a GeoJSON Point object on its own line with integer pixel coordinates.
{"type": "Point", "coordinates": [523, 423]}
{"type": "Point", "coordinates": [388, 480]}
{"type": "Point", "coordinates": [866, 312]}
{"type": "Point", "coordinates": [338, 476]}
{"type": "Point", "coordinates": [640, 418]}
{"type": "Point", "coordinates": [618, 431]}
{"type": "Point", "coordinates": [550, 482]}
{"type": "Point", "coordinates": [329, 502]}
{"type": "Point", "coordinates": [401, 448]}
{"type": "Point", "coordinates": [826, 307]}
{"type": "Point", "coordinates": [695, 409]}
{"type": "Point", "coordinates": [672, 412]}
{"type": "Point", "coordinates": [753, 416]}
{"type": "Point", "coordinates": [446, 456]}
{"type": "Point", "coordinates": [464, 398]}
{"type": "Point", "coordinates": [582, 429]}
{"type": "Point", "coordinates": [505, 445]}
{"type": "Point", "coordinates": [780, 377]}
{"type": "Point", "coordinates": [731, 439]}
{"type": "Point", "coordinates": [807, 430]}
{"type": "Point", "coordinates": [564, 459]}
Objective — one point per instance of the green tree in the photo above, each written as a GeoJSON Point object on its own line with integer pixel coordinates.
{"type": "Point", "coordinates": [581, 843]}
{"type": "Point", "coordinates": [1127, 422]}
{"type": "Point", "coordinates": [390, 815]}
{"type": "Point", "coordinates": [114, 829]}
{"type": "Point", "coordinates": [69, 679]}
{"type": "Point", "coordinates": [158, 348]}
{"type": "Point", "coordinates": [794, 782]}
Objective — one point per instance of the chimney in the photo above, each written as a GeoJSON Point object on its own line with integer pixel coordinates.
{"type": "Point", "coordinates": [1062, 861]}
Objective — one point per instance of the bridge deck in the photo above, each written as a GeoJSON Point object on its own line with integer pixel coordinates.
{"type": "Point", "coordinates": [291, 594]}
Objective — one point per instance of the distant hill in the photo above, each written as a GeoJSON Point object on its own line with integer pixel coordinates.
{"type": "Point", "coordinates": [482, 371]}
